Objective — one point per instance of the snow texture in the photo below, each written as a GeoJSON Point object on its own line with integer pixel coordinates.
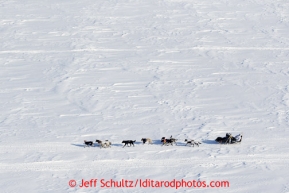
{"type": "Point", "coordinates": [129, 69]}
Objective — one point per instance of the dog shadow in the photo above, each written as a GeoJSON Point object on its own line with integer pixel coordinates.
{"type": "Point", "coordinates": [182, 144]}
{"type": "Point", "coordinates": [116, 145]}
{"type": "Point", "coordinates": [157, 142]}
{"type": "Point", "coordinates": [80, 145]}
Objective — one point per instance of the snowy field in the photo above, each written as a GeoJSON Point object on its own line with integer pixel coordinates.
{"type": "Point", "coordinates": [128, 69]}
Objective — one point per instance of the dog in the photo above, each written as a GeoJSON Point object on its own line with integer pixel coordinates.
{"type": "Point", "coordinates": [192, 142]}
{"type": "Point", "coordinates": [88, 143]}
{"type": "Point", "coordinates": [126, 142]}
{"type": "Point", "coordinates": [222, 140]}
{"type": "Point", "coordinates": [104, 144]}
{"type": "Point", "coordinates": [144, 140]}
{"type": "Point", "coordinates": [173, 140]}
{"type": "Point", "coordinates": [98, 141]}
{"type": "Point", "coordinates": [167, 141]}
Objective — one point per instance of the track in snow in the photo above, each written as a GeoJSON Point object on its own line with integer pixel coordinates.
{"type": "Point", "coordinates": [115, 163]}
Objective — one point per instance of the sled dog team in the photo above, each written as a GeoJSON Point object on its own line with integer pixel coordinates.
{"type": "Point", "coordinates": [129, 143]}
{"type": "Point", "coordinates": [229, 139]}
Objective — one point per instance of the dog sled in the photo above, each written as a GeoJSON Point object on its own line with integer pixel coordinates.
{"type": "Point", "coordinates": [229, 139]}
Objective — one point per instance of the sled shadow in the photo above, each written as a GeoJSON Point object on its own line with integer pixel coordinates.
{"type": "Point", "coordinates": [210, 142]}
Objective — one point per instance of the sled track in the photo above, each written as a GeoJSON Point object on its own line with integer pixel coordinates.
{"type": "Point", "coordinates": [137, 163]}
{"type": "Point", "coordinates": [68, 165]}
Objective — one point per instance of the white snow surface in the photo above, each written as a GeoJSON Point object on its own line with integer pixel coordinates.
{"type": "Point", "coordinates": [129, 69]}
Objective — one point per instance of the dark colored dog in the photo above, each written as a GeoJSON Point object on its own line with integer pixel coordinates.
{"type": "Point", "coordinates": [192, 142]}
{"type": "Point", "coordinates": [173, 140]}
{"type": "Point", "coordinates": [168, 141]}
{"type": "Point", "coordinates": [98, 141]}
{"type": "Point", "coordinates": [88, 143]}
{"type": "Point", "coordinates": [222, 140]}
{"type": "Point", "coordinates": [126, 142]}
